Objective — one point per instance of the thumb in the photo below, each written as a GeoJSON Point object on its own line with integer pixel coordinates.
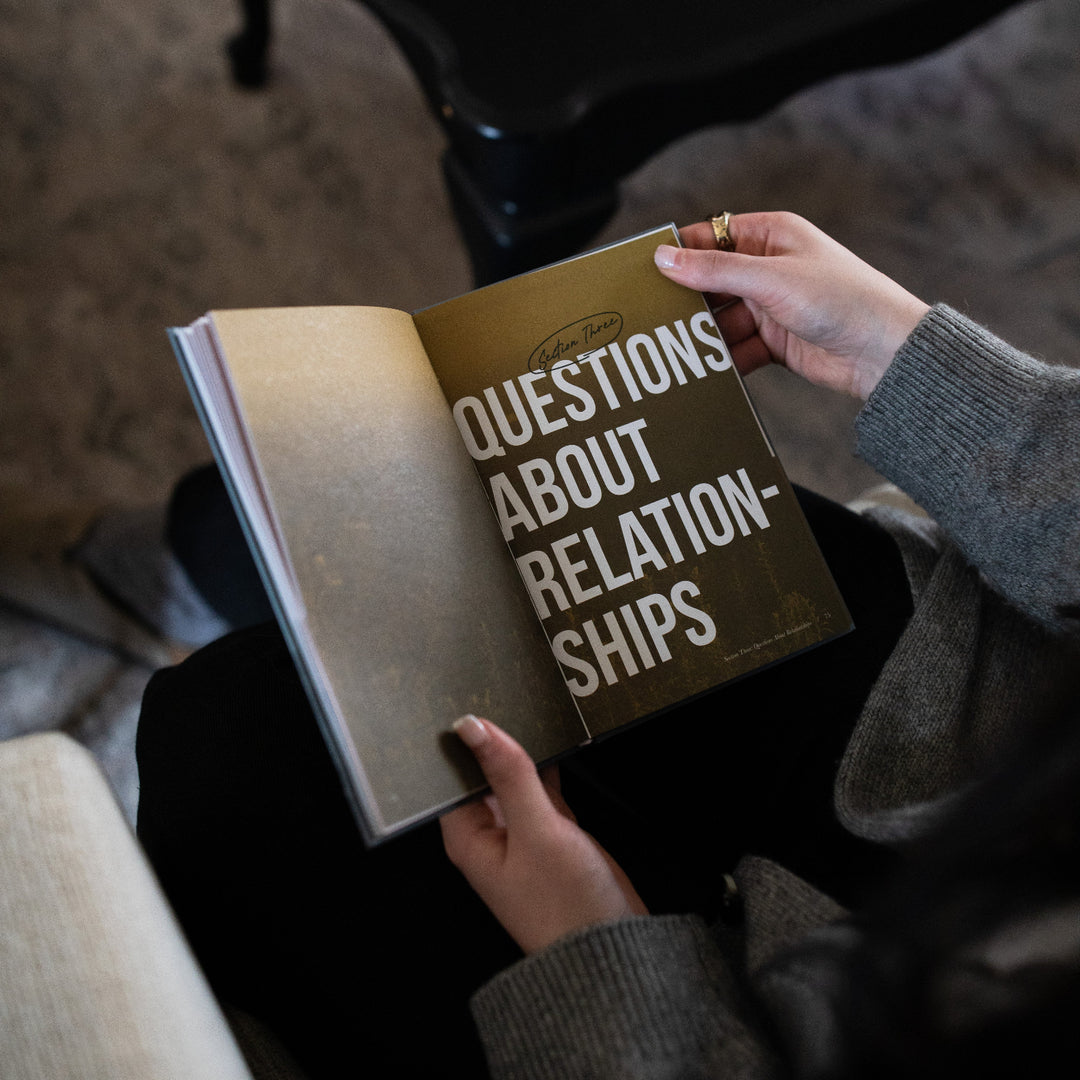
{"type": "Point", "coordinates": [708, 271]}
{"type": "Point", "coordinates": [523, 799]}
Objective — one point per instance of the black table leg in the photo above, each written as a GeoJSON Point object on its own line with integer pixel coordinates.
{"type": "Point", "coordinates": [505, 236]}
{"type": "Point", "coordinates": [247, 49]}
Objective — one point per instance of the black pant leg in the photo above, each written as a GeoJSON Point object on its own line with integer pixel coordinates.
{"type": "Point", "coordinates": [361, 961]}
{"type": "Point", "coordinates": [204, 534]}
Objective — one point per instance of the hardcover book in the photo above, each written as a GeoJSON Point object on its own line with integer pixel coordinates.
{"type": "Point", "coordinates": [549, 502]}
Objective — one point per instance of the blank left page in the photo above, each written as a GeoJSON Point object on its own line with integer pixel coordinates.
{"type": "Point", "coordinates": [412, 611]}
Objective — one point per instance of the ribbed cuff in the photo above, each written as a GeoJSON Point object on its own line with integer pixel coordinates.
{"type": "Point", "coordinates": [624, 998]}
{"type": "Point", "coordinates": [950, 390]}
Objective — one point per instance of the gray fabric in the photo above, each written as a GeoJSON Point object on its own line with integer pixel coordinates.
{"type": "Point", "coordinates": [985, 439]}
{"type": "Point", "coordinates": [127, 553]}
{"type": "Point", "coordinates": [981, 437]}
{"type": "Point", "coordinates": [644, 997]}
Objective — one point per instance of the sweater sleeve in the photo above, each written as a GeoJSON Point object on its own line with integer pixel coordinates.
{"type": "Point", "coordinates": [647, 997]}
{"type": "Point", "coordinates": [987, 441]}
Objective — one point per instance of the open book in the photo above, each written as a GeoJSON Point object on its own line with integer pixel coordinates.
{"type": "Point", "coordinates": [548, 502]}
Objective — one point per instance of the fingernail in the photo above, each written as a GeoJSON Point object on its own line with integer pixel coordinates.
{"type": "Point", "coordinates": [665, 256]}
{"type": "Point", "coordinates": [471, 731]}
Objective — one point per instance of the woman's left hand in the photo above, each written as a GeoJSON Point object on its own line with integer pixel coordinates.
{"type": "Point", "coordinates": [521, 849]}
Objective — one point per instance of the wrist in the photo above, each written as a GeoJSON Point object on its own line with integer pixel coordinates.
{"type": "Point", "coordinates": [896, 329]}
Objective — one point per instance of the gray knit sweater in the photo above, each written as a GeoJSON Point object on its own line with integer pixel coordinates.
{"type": "Point", "coordinates": [987, 440]}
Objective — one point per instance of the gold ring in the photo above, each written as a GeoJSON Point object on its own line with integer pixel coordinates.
{"type": "Point", "coordinates": [721, 227]}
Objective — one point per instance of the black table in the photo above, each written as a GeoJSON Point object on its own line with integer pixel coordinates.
{"type": "Point", "coordinates": [548, 105]}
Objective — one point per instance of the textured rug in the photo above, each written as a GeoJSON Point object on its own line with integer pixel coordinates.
{"type": "Point", "coordinates": [139, 188]}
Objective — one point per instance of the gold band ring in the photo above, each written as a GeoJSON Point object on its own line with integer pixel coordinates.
{"type": "Point", "coordinates": [721, 227]}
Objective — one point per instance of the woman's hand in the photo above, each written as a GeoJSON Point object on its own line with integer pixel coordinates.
{"type": "Point", "coordinates": [521, 849]}
{"type": "Point", "coordinates": [796, 297]}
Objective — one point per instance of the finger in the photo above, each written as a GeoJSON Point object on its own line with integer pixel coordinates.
{"type": "Point", "coordinates": [738, 326]}
{"type": "Point", "coordinates": [701, 235]}
{"type": "Point", "coordinates": [471, 817]}
{"type": "Point", "coordinates": [466, 832]}
{"type": "Point", "coordinates": [751, 354]}
{"type": "Point", "coordinates": [724, 272]}
{"type": "Point", "coordinates": [552, 778]}
{"type": "Point", "coordinates": [718, 300]}
{"type": "Point", "coordinates": [735, 322]}
{"type": "Point", "coordinates": [509, 770]}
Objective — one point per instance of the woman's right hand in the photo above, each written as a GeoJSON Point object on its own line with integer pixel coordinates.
{"type": "Point", "coordinates": [795, 296]}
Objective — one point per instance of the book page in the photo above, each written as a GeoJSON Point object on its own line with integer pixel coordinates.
{"type": "Point", "coordinates": [650, 520]}
{"type": "Point", "coordinates": [410, 611]}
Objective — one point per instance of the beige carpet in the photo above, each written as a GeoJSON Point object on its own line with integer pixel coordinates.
{"type": "Point", "coordinates": [139, 188]}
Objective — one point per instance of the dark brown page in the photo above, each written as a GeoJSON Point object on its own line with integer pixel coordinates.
{"type": "Point", "coordinates": [653, 524]}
